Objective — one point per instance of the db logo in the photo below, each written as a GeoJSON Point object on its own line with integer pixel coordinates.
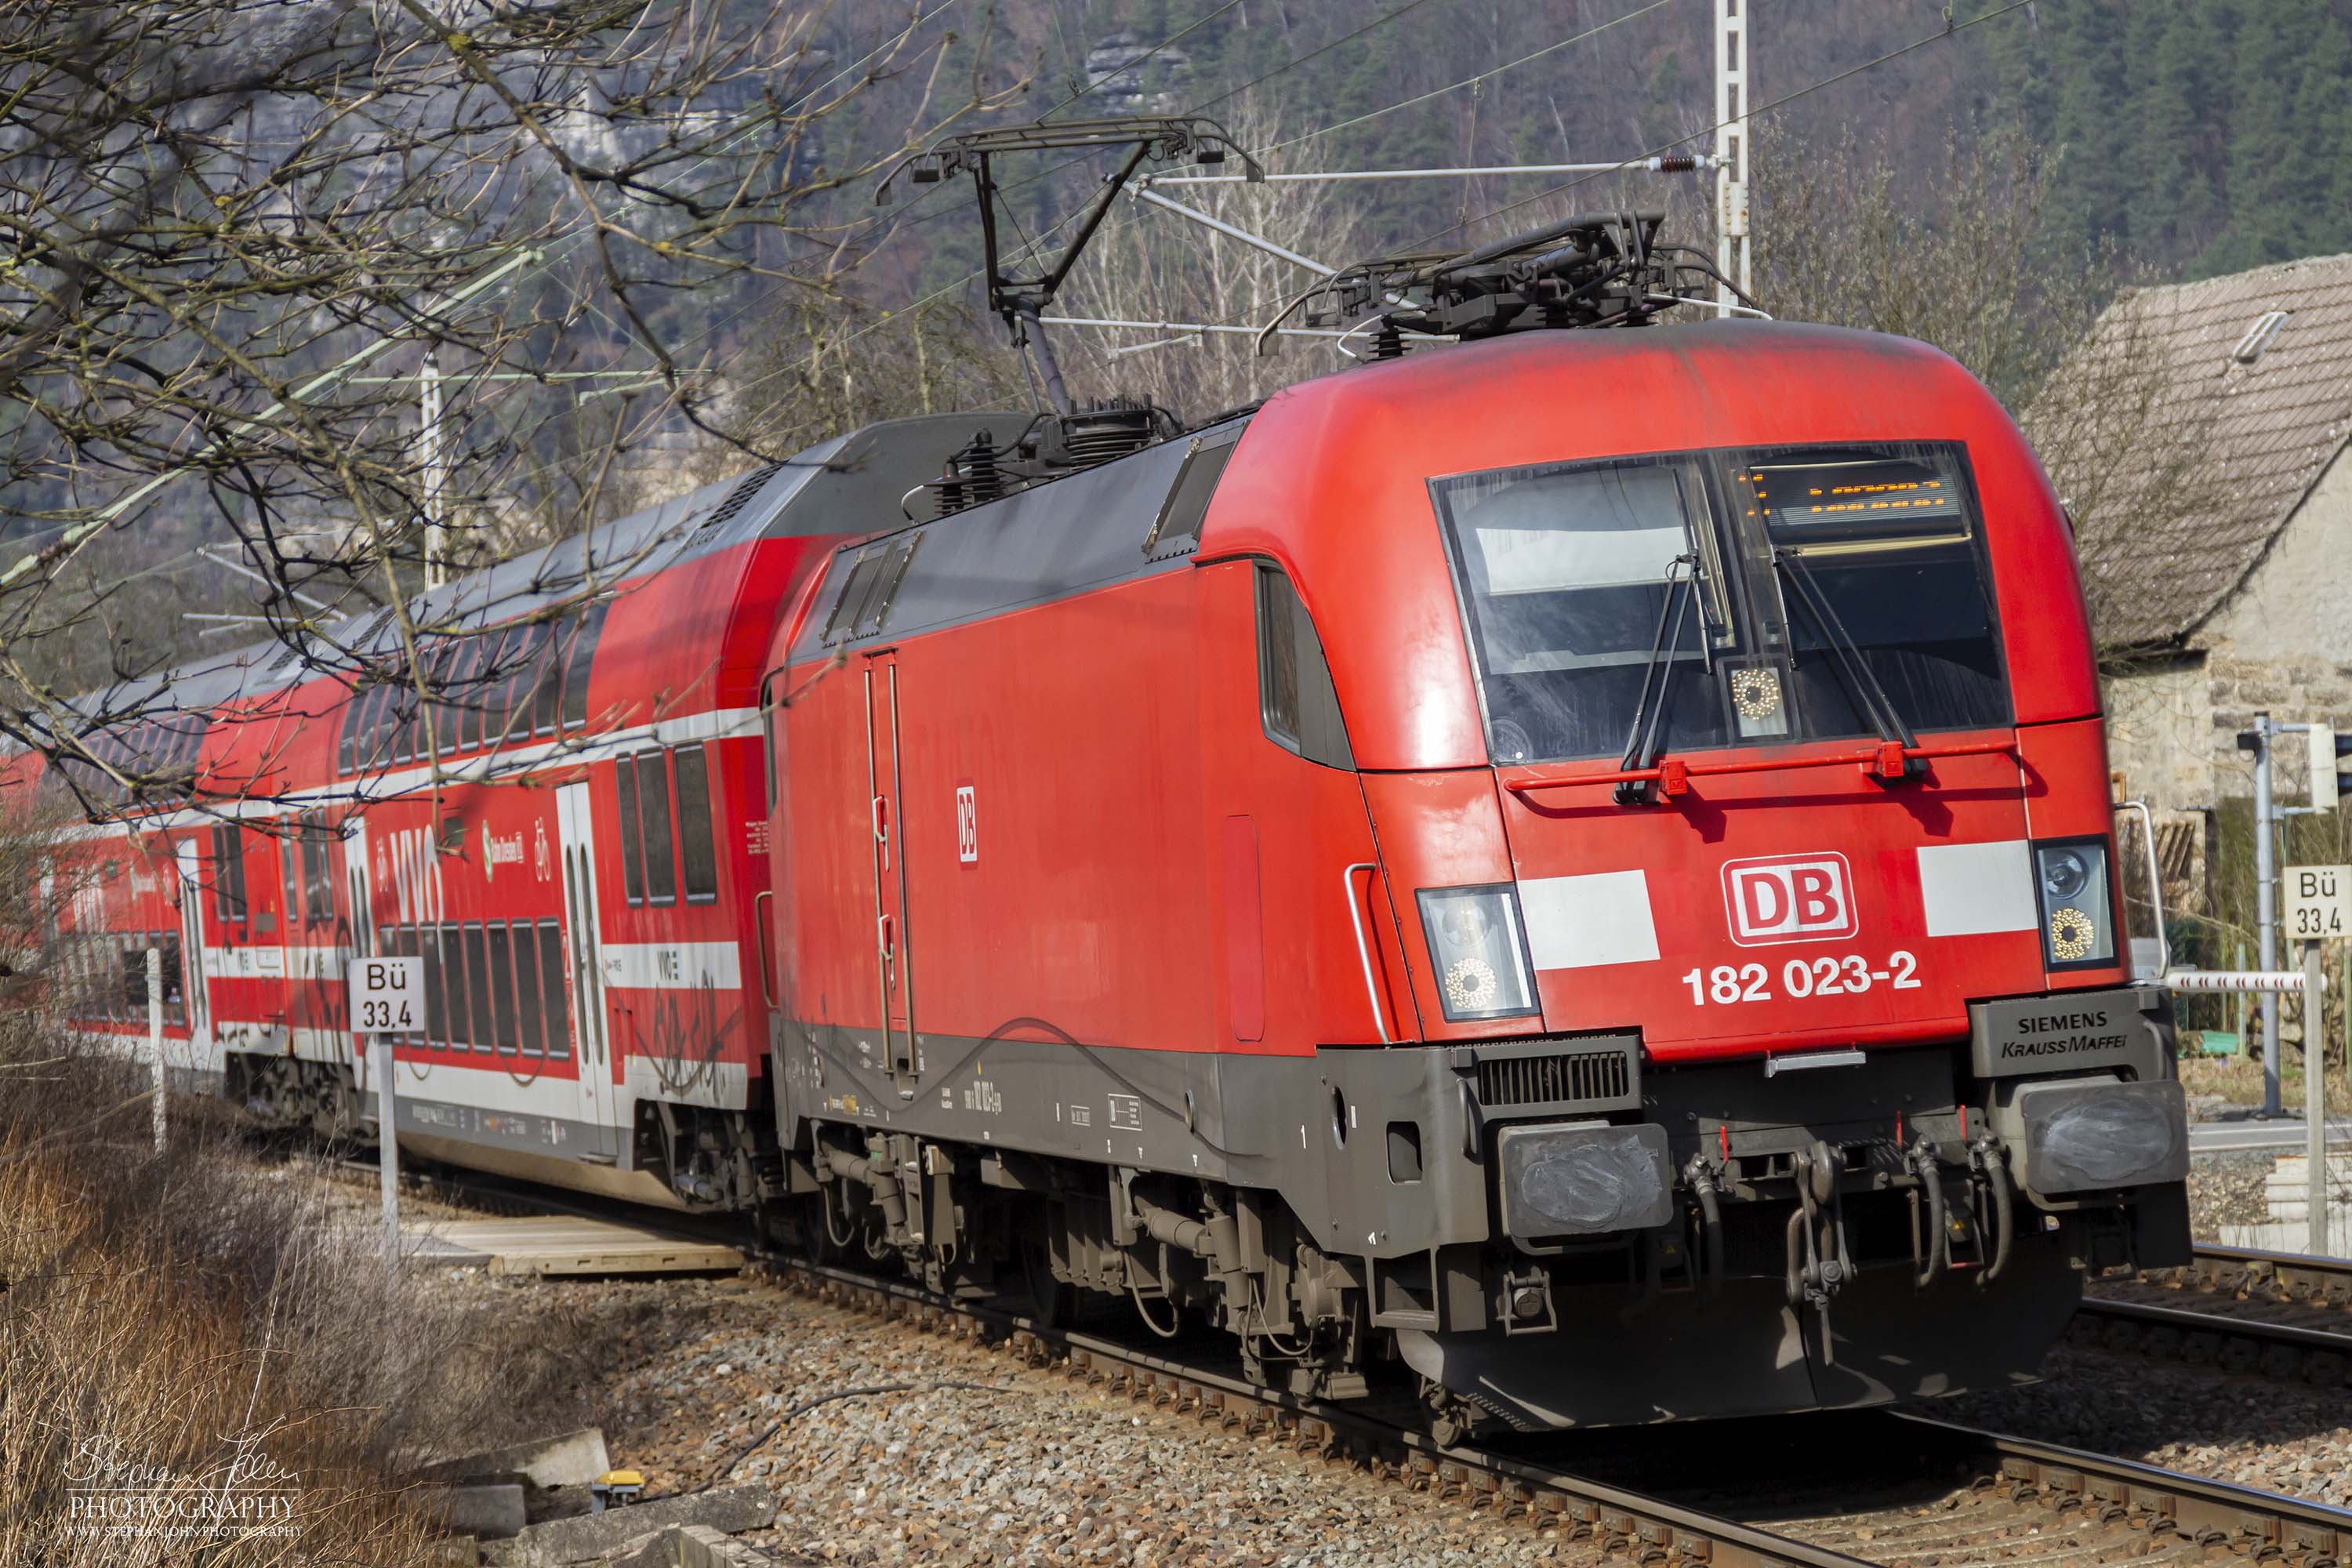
{"type": "Point", "coordinates": [967, 825]}
{"type": "Point", "coordinates": [1787, 898]}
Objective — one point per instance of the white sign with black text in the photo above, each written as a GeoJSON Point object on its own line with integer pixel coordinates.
{"type": "Point", "coordinates": [2319, 902]}
{"type": "Point", "coordinates": [387, 995]}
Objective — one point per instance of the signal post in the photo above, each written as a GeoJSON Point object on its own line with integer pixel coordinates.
{"type": "Point", "coordinates": [385, 994]}
{"type": "Point", "coordinates": [2318, 906]}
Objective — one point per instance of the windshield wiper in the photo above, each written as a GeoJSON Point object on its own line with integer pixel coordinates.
{"type": "Point", "coordinates": [1643, 745]}
{"type": "Point", "coordinates": [1859, 682]}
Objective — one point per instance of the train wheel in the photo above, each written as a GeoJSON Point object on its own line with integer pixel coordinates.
{"type": "Point", "coordinates": [817, 1229]}
{"type": "Point", "coordinates": [1051, 1303]}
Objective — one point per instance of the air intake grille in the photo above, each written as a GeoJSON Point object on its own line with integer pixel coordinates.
{"type": "Point", "coordinates": [736, 498]}
{"type": "Point", "coordinates": [1554, 1079]}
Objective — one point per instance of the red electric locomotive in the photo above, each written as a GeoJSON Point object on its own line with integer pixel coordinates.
{"type": "Point", "coordinates": [1575, 869]}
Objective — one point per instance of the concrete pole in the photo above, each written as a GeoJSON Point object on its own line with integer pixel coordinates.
{"type": "Point", "coordinates": [1733, 256]}
{"type": "Point", "coordinates": [2266, 907]}
{"type": "Point", "coordinates": [2315, 1090]}
{"type": "Point", "coordinates": [155, 1037]}
{"type": "Point", "coordinates": [387, 1142]}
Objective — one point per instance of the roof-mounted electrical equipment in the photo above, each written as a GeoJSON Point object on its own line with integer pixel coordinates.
{"type": "Point", "coordinates": [1596, 269]}
{"type": "Point", "coordinates": [1140, 138]}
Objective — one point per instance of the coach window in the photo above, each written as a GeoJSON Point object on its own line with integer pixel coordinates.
{"type": "Point", "coordinates": [547, 693]}
{"type": "Point", "coordinates": [472, 690]}
{"type": "Point", "coordinates": [1296, 699]}
{"type": "Point", "coordinates": [132, 1002]}
{"type": "Point", "coordinates": [449, 715]}
{"type": "Point", "coordinates": [176, 993]}
{"type": "Point", "coordinates": [579, 657]}
{"type": "Point", "coordinates": [317, 866]}
{"type": "Point", "coordinates": [511, 653]}
{"type": "Point", "coordinates": [529, 644]}
{"type": "Point", "coordinates": [347, 744]}
{"type": "Point", "coordinates": [290, 867]}
{"type": "Point", "coordinates": [228, 871]}
{"type": "Point", "coordinates": [437, 1013]}
{"type": "Point", "coordinates": [452, 972]}
{"type": "Point", "coordinates": [367, 750]}
{"type": "Point", "coordinates": [477, 986]}
{"type": "Point", "coordinates": [555, 1009]}
{"type": "Point", "coordinates": [698, 863]}
{"type": "Point", "coordinates": [526, 985]}
{"type": "Point", "coordinates": [633, 857]}
{"type": "Point", "coordinates": [502, 997]}
{"type": "Point", "coordinates": [409, 739]}
{"type": "Point", "coordinates": [653, 818]}
{"type": "Point", "coordinates": [404, 729]}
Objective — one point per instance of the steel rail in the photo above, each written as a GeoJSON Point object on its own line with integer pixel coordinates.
{"type": "Point", "coordinates": [2213, 1514]}
{"type": "Point", "coordinates": [2298, 1276]}
{"type": "Point", "coordinates": [2262, 1526]}
{"type": "Point", "coordinates": [2287, 1352]}
{"type": "Point", "coordinates": [1649, 1527]}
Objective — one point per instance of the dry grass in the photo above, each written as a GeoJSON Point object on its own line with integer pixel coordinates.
{"type": "Point", "coordinates": [197, 1332]}
{"type": "Point", "coordinates": [2238, 1079]}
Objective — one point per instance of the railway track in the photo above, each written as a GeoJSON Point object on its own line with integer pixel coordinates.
{"type": "Point", "coordinates": [1926, 1489]}
{"type": "Point", "coordinates": [1840, 1488]}
{"type": "Point", "coordinates": [2275, 1314]}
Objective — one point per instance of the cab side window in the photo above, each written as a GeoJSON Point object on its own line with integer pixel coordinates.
{"type": "Point", "coordinates": [1296, 699]}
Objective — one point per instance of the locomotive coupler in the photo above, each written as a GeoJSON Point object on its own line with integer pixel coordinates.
{"type": "Point", "coordinates": [1988, 1166]}
{"type": "Point", "coordinates": [1818, 1264]}
{"type": "Point", "coordinates": [1930, 1241]}
{"type": "Point", "coordinates": [1700, 1177]}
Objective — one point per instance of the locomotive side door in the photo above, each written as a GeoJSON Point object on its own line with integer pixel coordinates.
{"type": "Point", "coordinates": [894, 959]}
{"type": "Point", "coordinates": [191, 955]}
{"type": "Point", "coordinates": [585, 950]}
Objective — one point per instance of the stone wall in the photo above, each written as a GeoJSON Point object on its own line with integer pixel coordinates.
{"type": "Point", "coordinates": [2172, 738]}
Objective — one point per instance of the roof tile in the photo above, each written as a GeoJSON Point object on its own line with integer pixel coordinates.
{"type": "Point", "coordinates": [2183, 464]}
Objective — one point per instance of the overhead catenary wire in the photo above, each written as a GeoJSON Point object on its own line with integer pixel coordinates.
{"type": "Point", "coordinates": [1467, 81]}
{"type": "Point", "coordinates": [1951, 28]}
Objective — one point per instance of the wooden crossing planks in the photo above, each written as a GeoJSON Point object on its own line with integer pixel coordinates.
{"type": "Point", "coordinates": [564, 1245]}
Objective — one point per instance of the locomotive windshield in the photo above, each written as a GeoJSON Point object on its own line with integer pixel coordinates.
{"type": "Point", "coordinates": [1730, 586]}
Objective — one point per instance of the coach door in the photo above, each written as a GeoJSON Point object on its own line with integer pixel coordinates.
{"type": "Point", "coordinates": [894, 959]}
{"type": "Point", "coordinates": [197, 994]}
{"type": "Point", "coordinates": [584, 948]}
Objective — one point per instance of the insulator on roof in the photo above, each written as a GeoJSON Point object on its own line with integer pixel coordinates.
{"type": "Point", "coordinates": [974, 476]}
{"type": "Point", "coordinates": [1097, 435]}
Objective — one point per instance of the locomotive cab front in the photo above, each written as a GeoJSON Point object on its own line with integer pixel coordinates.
{"type": "Point", "coordinates": [1724, 708]}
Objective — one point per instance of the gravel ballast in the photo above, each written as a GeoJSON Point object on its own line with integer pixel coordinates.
{"type": "Point", "coordinates": [2226, 1189]}
{"type": "Point", "coordinates": [2280, 1436]}
{"type": "Point", "coordinates": [983, 1460]}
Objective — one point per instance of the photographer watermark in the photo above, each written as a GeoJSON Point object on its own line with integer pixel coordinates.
{"type": "Point", "coordinates": [113, 1494]}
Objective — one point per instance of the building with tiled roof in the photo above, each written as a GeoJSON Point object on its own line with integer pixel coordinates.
{"type": "Point", "coordinates": [2198, 436]}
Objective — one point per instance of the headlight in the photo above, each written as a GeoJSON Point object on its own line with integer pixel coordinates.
{"type": "Point", "coordinates": [2077, 916]}
{"type": "Point", "coordinates": [2064, 872]}
{"type": "Point", "coordinates": [1474, 942]}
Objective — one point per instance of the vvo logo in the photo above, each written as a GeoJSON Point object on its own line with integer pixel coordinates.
{"type": "Point", "coordinates": [1787, 898]}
